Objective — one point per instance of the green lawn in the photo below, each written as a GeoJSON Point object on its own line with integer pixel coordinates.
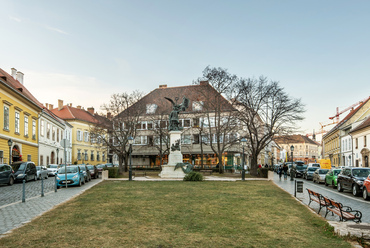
{"type": "Point", "coordinates": [178, 214]}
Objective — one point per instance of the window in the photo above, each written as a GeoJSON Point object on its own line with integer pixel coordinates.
{"type": "Point", "coordinates": [29, 158]}
{"type": "Point", "coordinates": [1, 156]}
{"type": "Point", "coordinates": [53, 133]}
{"type": "Point", "coordinates": [86, 156]}
{"type": "Point", "coordinates": [103, 157]}
{"type": "Point", "coordinates": [34, 129]}
{"type": "Point", "coordinates": [97, 156]}
{"type": "Point", "coordinates": [197, 105]}
{"type": "Point", "coordinates": [41, 160]}
{"type": "Point", "coordinates": [42, 128]}
{"type": "Point", "coordinates": [57, 134]}
{"type": "Point", "coordinates": [184, 122]}
{"type": "Point", "coordinates": [48, 131]}
{"type": "Point", "coordinates": [140, 140]}
{"type": "Point", "coordinates": [6, 118]}
{"type": "Point", "coordinates": [86, 136]}
{"type": "Point", "coordinates": [157, 140]}
{"type": "Point", "coordinates": [92, 156]}
{"type": "Point", "coordinates": [151, 108]}
{"type": "Point", "coordinates": [356, 143]}
{"type": "Point", "coordinates": [78, 154]}
{"type": "Point", "coordinates": [186, 139]}
{"type": "Point", "coordinates": [79, 135]}
{"type": "Point", "coordinates": [196, 122]}
{"type": "Point", "coordinates": [26, 126]}
{"type": "Point", "coordinates": [17, 122]}
{"type": "Point", "coordinates": [196, 139]}
{"type": "Point", "coordinates": [364, 141]}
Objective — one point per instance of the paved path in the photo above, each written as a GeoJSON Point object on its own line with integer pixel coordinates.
{"type": "Point", "coordinates": [16, 214]}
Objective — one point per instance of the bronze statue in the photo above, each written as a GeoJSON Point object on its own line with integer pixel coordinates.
{"type": "Point", "coordinates": [174, 115]}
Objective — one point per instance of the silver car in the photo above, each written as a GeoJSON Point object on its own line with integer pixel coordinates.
{"type": "Point", "coordinates": [42, 172]}
{"type": "Point", "coordinates": [53, 169]}
{"type": "Point", "coordinates": [319, 175]}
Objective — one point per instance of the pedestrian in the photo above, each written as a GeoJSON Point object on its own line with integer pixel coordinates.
{"type": "Point", "coordinates": [280, 171]}
{"type": "Point", "coordinates": [285, 170]}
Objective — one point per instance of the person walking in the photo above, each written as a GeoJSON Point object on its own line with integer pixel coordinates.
{"type": "Point", "coordinates": [280, 171]}
{"type": "Point", "coordinates": [285, 170]}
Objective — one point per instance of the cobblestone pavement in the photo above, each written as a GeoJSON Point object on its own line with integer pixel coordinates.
{"type": "Point", "coordinates": [11, 194]}
{"type": "Point", "coordinates": [346, 198]}
{"type": "Point", "coordinates": [16, 214]}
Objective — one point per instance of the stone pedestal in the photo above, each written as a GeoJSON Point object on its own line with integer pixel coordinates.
{"type": "Point", "coordinates": [168, 170]}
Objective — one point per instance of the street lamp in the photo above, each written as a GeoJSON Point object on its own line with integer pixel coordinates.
{"type": "Point", "coordinates": [130, 141]}
{"type": "Point", "coordinates": [244, 142]}
{"type": "Point", "coordinates": [10, 143]}
{"type": "Point", "coordinates": [291, 172]}
{"type": "Point", "coordinates": [57, 155]}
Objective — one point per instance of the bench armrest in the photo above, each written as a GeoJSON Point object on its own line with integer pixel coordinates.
{"type": "Point", "coordinates": [347, 209]}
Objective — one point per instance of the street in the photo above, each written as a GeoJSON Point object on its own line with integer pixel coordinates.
{"type": "Point", "coordinates": [11, 194]}
{"type": "Point", "coordinates": [346, 197]}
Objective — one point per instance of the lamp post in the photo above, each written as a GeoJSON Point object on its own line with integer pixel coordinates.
{"type": "Point", "coordinates": [291, 172]}
{"type": "Point", "coordinates": [57, 155]}
{"type": "Point", "coordinates": [10, 143]}
{"type": "Point", "coordinates": [130, 141]}
{"type": "Point", "coordinates": [244, 142]}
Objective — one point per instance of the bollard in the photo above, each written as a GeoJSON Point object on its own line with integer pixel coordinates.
{"type": "Point", "coordinates": [24, 191]}
{"type": "Point", "coordinates": [42, 186]}
{"type": "Point", "coordinates": [55, 183]}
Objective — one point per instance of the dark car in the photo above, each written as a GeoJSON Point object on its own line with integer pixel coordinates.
{"type": "Point", "coordinates": [6, 174]}
{"type": "Point", "coordinates": [101, 167]}
{"type": "Point", "coordinates": [308, 173]}
{"type": "Point", "coordinates": [86, 172]}
{"type": "Point", "coordinates": [298, 169]}
{"type": "Point", "coordinates": [24, 171]}
{"type": "Point", "coordinates": [93, 170]}
{"type": "Point", "coordinates": [352, 178]}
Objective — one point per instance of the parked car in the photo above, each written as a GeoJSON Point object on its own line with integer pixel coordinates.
{"type": "Point", "coordinates": [317, 165]}
{"type": "Point", "coordinates": [93, 171]}
{"type": "Point", "coordinates": [42, 172]}
{"type": "Point", "coordinates": [331, 177]}
{"type": "Point", "coordinates": [6, 174]}
{"type": "Point", "coordinates": [319, 175]}
{"type": "Point", "coordinates": [101, 167]}
{"type": "Point", "coordinates": [366, 189]}
{"type": "Point", "coordinates": [24, 171]}
{"type": "Point", "coordinates": [75, 176]}
{"type": "Point", "coordinates": [86, 172]}
{"type": "Point", "coordinates": [53, 169]}
{"type": "Point", "coordinates": [308, 173]}
{"type": "Point", "coordinates": [352, 178]}
{"type": "Point", "coordinates": [298, 169]}
{"type": "Point", "coordinates": [110, 165]}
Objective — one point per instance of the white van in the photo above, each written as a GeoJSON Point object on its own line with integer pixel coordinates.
{"type": "Point", "coordinates": [314, 165]}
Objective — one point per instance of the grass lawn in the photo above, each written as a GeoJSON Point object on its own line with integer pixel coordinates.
{"type": "Point", "coordinates": [178, 214]}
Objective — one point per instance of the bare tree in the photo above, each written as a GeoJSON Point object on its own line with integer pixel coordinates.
{"type": "Point", "coordinates": [219, 120]}
{"type": "Point", "coordinates": [265, 110]}
{"type": "Point", "coordinates": [125, 111]}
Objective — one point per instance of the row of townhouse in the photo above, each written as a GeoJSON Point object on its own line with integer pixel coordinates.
{"type": "Point", "coordinates": [34, 132]}
{"type": "Point", "coordinates": [305, 149]}
{"type": "Point", "coordinates": [196, 139]}
{"type": "Point", "coordinates": [346, 144]}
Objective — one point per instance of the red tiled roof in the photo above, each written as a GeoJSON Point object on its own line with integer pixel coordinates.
{"type": "Point", "coordinates": [296, 138]}
{"type": "Point", "coordinates": [18, 87]}
{"type": "Point", "coordinates": [71, 113]}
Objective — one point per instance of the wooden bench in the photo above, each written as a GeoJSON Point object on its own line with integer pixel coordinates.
{"type": "Point", "coordinates": [206, 171]}
{"type": "Point", "coordinates": [137, 173]}
{"type": "Point", "coordinates": [345, 213]}
{"type": "Point", "coordinates": [316, 197]}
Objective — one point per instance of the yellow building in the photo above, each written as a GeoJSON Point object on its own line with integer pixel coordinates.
{"type": "Point", "coordinates": [84, 149]}
{"type": "Point", "coordinates": [19, 114]}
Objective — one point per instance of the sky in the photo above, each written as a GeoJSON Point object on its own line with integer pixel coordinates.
{"type": "Point", "coordinates": [86, 50]}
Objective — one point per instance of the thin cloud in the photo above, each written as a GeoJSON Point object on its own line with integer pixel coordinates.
{"type": "Point", "coordinates": [57, 30]}
{"type": "Point", "coordinates": [15, 18]}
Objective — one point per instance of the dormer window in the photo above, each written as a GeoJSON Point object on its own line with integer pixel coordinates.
{"type": "Point", "coordinates": [197, 105]}
{"type": "Point", "coordinates": [151, 108]}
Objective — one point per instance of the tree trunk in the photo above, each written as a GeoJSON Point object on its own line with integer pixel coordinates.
{"type": "Point", "coordinates": [220, 164]}
{"type": "Point", "coordinates": [254, 165]}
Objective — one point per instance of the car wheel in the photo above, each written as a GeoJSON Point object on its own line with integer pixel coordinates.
{"type": "Point", "coordinates": [80, 183]}
{"type": "Point", "coordinates": [339, 187]}
{"type": "Point", "coordinates": [355, 190]}
{"type": "Point", "coordinates": [83, 182]}
{"type": "Point", "coordinates": [365, 194]}
{"type": "Point", "coordinates": [11, 181]}
{"type": "Point", "coordinates": [332, 184]}
{"type": "Point", "coordinates": [58, 187]}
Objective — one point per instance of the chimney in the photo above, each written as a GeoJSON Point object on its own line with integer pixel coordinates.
{"type": "Point", "coordinates": [203, 82]}
{"type": "Point", "coordinates": [51, 106]}
{"type": "Point", "coordinates": [47, 105]}
{"type": "Point", "coordinates": [79, 107]}
{"type": "Point", "coordinates": [60, 104]}
{"type": "Point", "coordinates": [109, 115]}
{"type": "Point", "coordinates": [20, 77]}
{"type": "Point", "coordinates": [14, 73]}
{"type": "Point", "coordinates": [163, 86]}
{"type": "Point", "coordinates": [91, 110]}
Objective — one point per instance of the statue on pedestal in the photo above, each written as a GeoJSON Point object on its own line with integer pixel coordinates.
{"type": "Point", "coordinates": [174, 115]}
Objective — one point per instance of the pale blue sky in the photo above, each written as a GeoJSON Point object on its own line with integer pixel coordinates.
{"type": "Point", "coordinates": [84, 51]}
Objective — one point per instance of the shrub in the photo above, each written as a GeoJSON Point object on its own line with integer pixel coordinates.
{"type": "Point", "coordinates": [112, 172]}
{"type": "Point", "coordinates": [193, 176]}
{"type": "Point", "coordinates": [263, 172]}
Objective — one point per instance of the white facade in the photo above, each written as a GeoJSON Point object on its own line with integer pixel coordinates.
{"type": "Point", "coordinates": [51, 132]}
{"type": "Point", "coordinates": [67, 134]}
{"type": "Point", "coordinates": [346, 150]}
{"type": "Point", "coordinates": [360, 143]}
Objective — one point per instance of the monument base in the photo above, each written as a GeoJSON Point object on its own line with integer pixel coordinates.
{"type": "Point", "coordinates": [168, 171]}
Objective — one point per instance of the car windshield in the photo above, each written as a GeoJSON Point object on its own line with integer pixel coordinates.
{"type": "Point", "coordinates": [336, 172]}
{"type": "Point", "coordinates": [312, 169]}
{"type": "Point", "coordinates": [53, 166]}
{"type": "Point", "coordinates": [19, 167]}
{"type": "Point", "coordinates": [38, 168]}
{"type": "Point", "coordinates": [69, 170]}
{"type": "Point", "coordinates": [360, 172]}
{"type": "Point", "coordinates": [301, 167]}
{"type": "Point", "coordinates": [83, 168]}
{"type": "Point", "coordinates": [323, 171]}
{"type": "Point", "coordinates": [90, 167]}
{"type": "Point", "coordinates": [315, 165]}
{"type": "Point", "coordinates": [101, 166]}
